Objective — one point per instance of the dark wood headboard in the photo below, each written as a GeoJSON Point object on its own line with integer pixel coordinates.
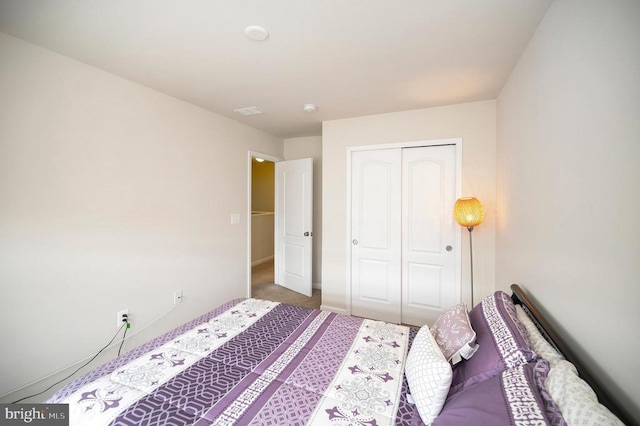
{"type": "Point", "coordinates": [604, 396]}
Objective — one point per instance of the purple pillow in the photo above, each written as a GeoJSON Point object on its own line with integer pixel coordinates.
{"type": "Point", "coordinates": [502, 341]}
{"type": "Point", "coordinates": [510, 398]}
{"type": "Point", "coordinates": [454, 334]}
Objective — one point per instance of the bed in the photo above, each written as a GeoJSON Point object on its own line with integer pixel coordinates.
{"type": "Point", "coordinates": [256, 362]}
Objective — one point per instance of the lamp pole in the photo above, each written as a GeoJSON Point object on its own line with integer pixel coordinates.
{"type": "Point", "coordinates": [468, 212]}
{"type": "Point", "coordinates": [470, 228]}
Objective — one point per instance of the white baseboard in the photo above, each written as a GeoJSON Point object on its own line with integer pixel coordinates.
{"type": "Point", "coordinates": [333, 309]}
{"type": "Point", "coordinates": [258, 262]}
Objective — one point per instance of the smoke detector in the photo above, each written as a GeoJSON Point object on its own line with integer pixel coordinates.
{"type": "Point", "coordinates": [256, 33]}
{"type": "Point", "coordinates": [309, 107]}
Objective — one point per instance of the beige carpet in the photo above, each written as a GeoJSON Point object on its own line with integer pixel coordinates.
{"type": "Point", "coordinates": [262, 287]}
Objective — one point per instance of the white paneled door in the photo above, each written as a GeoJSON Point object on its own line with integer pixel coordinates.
{"type": "Point", "coordinates": [402, 248]}
{"type": "Point", "coordinates": [429, 282]}
{"type": "Point", "coordinates": [294, 219]}
{"type": "Point", "coordinates": [375, 234]}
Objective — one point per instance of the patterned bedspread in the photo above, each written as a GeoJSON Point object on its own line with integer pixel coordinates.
{"type": "Point", "coordinates": [254, 362]}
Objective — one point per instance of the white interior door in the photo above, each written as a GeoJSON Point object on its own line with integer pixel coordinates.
{"type": "Point", "coordinates": [429, 282]}
{"type": "Point", "coordinates": [375, 234]}
{"type": "Point", "coordinates": [294, 219]}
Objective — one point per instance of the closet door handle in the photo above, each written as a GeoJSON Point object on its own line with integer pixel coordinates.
{"type": "Point", "coordinates": [449, 248]}
{"type": "Point", "coordinates": [355, 242]}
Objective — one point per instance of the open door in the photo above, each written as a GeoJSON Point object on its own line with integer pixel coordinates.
{"type": "Point", "coordinates": [294, 219]}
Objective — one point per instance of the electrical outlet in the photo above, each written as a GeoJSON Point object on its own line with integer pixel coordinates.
{"type": "Point", "coordinates": [177, 297]}
{"type": "Point", "coordinates": [123, 316]}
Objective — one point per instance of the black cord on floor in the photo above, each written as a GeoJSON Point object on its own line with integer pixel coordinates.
{"type": "Point", "coordinates": [79, 368]}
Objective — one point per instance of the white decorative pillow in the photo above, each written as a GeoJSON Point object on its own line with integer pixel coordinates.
{"type": "Point", "coordinates": [538, 342]}
{"type": "Point", "coordinates": [575, 398]}
{"type": "Point", "coordinates": [454, 334]}
{"type": "Point", "coordinates": [428, 375]}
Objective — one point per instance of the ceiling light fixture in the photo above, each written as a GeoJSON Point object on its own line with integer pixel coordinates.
{"type": "Point", "coordinates": [310, 107]}
{"type": "Point", "coordinates": [259, 160]}
{"type": "Point", "coordinates": [256, 33]}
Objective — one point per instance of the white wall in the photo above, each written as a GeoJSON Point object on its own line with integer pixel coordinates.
{"type": "Point", "coordinates": [112, 196]}
{"type": "Point", "coordinates": [473, 122]}
{"type": "Point", "coordinates": [311, 147]}
{"type": "Point", "coordinates": [569, 181]}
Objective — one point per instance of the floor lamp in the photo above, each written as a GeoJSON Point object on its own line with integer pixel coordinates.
{"type": "Point", "coordinates": [468, 212]}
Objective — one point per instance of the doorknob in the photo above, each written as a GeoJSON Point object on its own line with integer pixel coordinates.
{"type": "Point", "coordinates": [306, 234]}
{"type": "Point", "coordinates": [449, 248]}
{"type": "Point", "coordinates": [355, 242]}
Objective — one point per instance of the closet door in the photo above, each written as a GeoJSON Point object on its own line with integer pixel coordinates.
{"type": "Point", "coordinates": [429, 283]}
{"type": "Point", "coordinates": [376, 234]}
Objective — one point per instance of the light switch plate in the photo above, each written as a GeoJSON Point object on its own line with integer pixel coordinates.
{"type": "Point", "coordinates": [235, 218]}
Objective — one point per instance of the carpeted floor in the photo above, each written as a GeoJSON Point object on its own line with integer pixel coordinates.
{"type": "Point", "coordinates": [262, 287]}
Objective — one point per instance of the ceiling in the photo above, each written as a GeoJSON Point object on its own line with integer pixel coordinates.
{"type": "Point", "coordinates": [350, 57]}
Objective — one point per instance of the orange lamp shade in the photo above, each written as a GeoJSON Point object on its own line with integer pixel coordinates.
{"type": "Point", "coordinates": [468, 212]}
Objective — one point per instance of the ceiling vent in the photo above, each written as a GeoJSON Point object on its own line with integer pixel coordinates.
{"type": "Point", "coordinates": [248, 111]}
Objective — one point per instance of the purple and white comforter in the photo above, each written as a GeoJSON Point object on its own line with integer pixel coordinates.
{"type": "Point", "coordinates": [254, 362]}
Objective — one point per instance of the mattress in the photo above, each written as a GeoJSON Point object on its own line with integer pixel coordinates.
{"type": "Point", "coordinates": [254, 362]}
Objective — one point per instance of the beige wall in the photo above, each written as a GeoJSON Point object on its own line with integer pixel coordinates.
{"type": "Point", "coordinates": [262, 200]}
{"type": "Point", "coordinates": [311, 147]}
{"type": "Point", "coordinates": [262, 237]}
{"type": "Point", "coordinates": [473, 122]}
{"type": "Point", "coordinates": [262, 186]}
{"type": "Point", "coordinates": [112, 196]}
{"type": "Point", "coordinates": [569, 181]}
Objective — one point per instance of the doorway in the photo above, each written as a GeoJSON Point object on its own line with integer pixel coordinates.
{"type": "Point", "coordinates": [262, 233]}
